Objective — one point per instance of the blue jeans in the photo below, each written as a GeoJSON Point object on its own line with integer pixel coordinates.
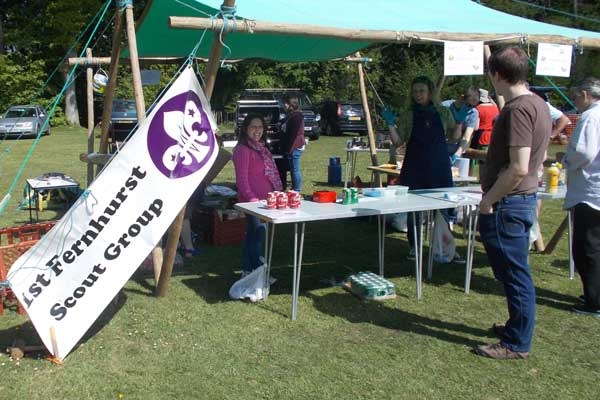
{"type": "Point", "coordinates": [254, 243]}
{"type": "Point", "coordinates": [296, 175]}
{"type": "Point", "coordinates": [505, 236]}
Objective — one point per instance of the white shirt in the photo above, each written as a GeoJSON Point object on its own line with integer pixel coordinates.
{"type": "Point", "coordinates": [555, 113]}
{"type": "Point", "coordinates": [582, 160]}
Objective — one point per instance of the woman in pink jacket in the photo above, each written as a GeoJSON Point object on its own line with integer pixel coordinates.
{"type": "Point", "coordinates": [255, 176]}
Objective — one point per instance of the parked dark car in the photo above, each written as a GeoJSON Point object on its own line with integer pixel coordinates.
{"type": "Point", "coordinates": [270, 104]}
{"type": "Point", "coordinates": [343, 116]}
{"type": "Point", "coordinates": [122, 119]}
{"type": "Point", "coordinates": [21, 121]}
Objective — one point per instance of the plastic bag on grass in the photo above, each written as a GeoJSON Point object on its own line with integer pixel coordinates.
{"type": "Point", "coordinates": [251, 287]}
{"type": "Point", "coordinates": [444, 246]}
{"type": "Point", "coordinates": [398, 222]}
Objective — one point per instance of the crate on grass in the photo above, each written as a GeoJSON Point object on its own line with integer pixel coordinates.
{"type": "Point", "coordinates": [369, 286]}
{"type": "Point", "coordinates": [227, 228]}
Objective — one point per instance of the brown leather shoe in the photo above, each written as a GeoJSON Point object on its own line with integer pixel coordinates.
{"type": "Point", "coordinates": [498, 351]}
{"type": "Point", "coordinates": [498, 329]}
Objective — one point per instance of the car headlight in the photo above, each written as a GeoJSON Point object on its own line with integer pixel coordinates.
{"type": "Point", "coordinates": [317, 117]}
{"type": "Point", "coordinates": [25, 125]}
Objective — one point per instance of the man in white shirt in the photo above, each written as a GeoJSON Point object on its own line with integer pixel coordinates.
{"type": "Point", "coordinates": [582, 161]}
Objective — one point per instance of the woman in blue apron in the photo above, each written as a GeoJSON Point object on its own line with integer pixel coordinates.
{"type": "Point", "coordinates": [426, 164]}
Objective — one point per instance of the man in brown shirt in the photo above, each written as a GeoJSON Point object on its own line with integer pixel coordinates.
{"type": "Point", "coordinates": [507, 210]}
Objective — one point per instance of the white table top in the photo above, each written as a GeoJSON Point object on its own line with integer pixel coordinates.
{"type": "Point", "coordinates": [52, 182]}
{"type": "Point", "coordinates": [367, 206]}
{"type": "Point", "coordinates": [459, 196]}
{"type": "Point", "coordinates": [363, 149]}
{"type": "Point", "coordinates": [560, 193]}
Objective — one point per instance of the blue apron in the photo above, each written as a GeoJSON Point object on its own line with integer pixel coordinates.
{"type": "Point", "coordinates": [426, 163]}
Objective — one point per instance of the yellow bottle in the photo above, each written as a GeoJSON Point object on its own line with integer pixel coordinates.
{"type": "Point", "coordinates": [552, 179]}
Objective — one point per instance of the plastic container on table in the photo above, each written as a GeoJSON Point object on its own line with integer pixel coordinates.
{"type": "Point", "coordinates": [373, 192]}
{"type": "Point", "coordinates": [398, 190]}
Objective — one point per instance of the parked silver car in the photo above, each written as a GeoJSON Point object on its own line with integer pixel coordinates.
{"type": "Point", "coordinates": [23, 121]}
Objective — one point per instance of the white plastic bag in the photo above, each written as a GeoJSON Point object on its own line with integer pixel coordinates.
{"type": "Point", "coordinates": [444, 247]}
{"type": "Point", "coordinates": [251, 287]}
{"type": "Point", "coordinates": [534, 232]}
{"type": "Point", "coordinates": [398, 222]}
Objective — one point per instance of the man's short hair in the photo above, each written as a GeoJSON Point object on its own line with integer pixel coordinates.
{"type": "Point", "coordinates": [591, 86]}
{"type": "Point", "coordinates": [511, 63]}
{"type": "Point", "coordinates": [292, 100]}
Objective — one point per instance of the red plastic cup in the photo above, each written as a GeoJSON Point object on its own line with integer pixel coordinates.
{"type": "Point", "coordinates": [282, 200]}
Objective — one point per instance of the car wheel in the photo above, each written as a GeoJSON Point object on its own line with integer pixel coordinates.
{"type": "Point", "coordinates": [314, 136]}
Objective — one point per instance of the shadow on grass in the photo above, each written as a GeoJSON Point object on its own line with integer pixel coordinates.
{"type": "Point", "coordinates": [28, 336]}
{"type": "Point", "coordinates": [378, 314]}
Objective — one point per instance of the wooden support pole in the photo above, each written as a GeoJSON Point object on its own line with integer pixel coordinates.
{"type": "Point", "coordinates": [214, 59]}
{"type": "Point", "coordinates": [109, 93]}
{"type": "Point", "coordinates": [373, 36]}
{"type": "Point", "coordinates": [90, 115]}
{"type": "Point", "coordinates": [143, 61]}
{"type": "Point", "coordinates": [370, 133]}
{"type": "Point", "coordinates": [210, 77]}
{"type": "Point", "coordinates": [138, 91]}
{"type": "Point", "coordinates": [140, 107]}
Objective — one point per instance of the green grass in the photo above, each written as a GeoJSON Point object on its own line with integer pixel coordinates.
{"type": "Point", "coordinates": [196, 343]}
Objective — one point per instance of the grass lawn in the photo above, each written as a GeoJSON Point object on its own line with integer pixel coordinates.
{"type": "Point", "coordinates": [198, 344]}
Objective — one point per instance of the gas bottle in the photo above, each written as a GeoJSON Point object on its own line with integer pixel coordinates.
{"type": "Point", "coordinates": [552, 181]}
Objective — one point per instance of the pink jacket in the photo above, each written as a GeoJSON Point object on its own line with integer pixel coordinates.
{"type": "Point", "coordinates": [250, 179]}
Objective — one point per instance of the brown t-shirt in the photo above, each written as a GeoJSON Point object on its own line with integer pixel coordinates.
{"type": "Point", "coordinates": [524, 122]}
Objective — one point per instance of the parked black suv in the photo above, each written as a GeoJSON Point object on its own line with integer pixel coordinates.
{"type": "Point", "coordinates": [342, 116]}
{"type": "Point", "coordinates": [270, 104]}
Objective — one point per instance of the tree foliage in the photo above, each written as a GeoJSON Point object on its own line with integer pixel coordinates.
{"type": "Point", "coordinates": [37, 34]}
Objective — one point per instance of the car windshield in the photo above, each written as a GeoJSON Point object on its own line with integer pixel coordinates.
{"type": "Point", "coordinates": [127, 106]}
{"type": "Point", "coordinates": [21, 112]}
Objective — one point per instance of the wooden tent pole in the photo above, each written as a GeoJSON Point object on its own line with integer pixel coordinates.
{"type": "Point", "coordinates": [210, 77]}
{"type": "Point", "coordinates": [90, 115]}
{"type": "Point", "coordinates": [370, 133]}
{"type": "Point", "coordinates": [140, 107]}
{"type": "Point", "coordinates": [112, 80]}
{"type": "Point", "coordinates": [371, 35]}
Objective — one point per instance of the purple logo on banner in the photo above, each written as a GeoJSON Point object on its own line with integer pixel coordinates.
{"type": "Point", "coordinates": [180, 138]}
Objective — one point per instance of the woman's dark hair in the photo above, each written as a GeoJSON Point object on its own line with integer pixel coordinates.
{"type": "Point", "coordinates": [425, 80]}
{"type": "Point", "coordinates": [511, 63]}
{"type": "Point", "coordinates": [243, 135]}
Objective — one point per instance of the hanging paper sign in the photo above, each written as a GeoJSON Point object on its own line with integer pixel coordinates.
{"type": "Point", "coordinates": [463, 58]}
{"type": "Point", "coordinates": [68, 278]}
{"type": "Point", "coordinates": [150, 77]}
{"type": "Point", "coordinates": [554, 59]}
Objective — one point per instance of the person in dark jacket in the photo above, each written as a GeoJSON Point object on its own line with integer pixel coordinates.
{"type": "Point", "coordinates": [292, 140]}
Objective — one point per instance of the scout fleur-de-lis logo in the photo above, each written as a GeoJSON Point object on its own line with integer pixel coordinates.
{"type": "Point", "coordinates": [180, 137]}
{"type": "Point", "coordinates": [186, 128]}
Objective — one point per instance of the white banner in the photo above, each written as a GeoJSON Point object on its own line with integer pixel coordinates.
{"type": "Point", "coordinates": [554, 59]}
{"type": "Point", "coordinates": [68, 278]}
{"type": "Point", "coordinates": [463, 58]}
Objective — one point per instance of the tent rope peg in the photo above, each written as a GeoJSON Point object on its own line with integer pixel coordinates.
{"type": "Point", "coordinates": [122, 4]}
{"type": "Point", "coordinates": [250, 25]}
{"type": "Point", "coordinates": [578, 45]}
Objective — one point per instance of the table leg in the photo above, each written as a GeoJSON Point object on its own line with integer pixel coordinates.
{"type": "Point", "coordinates": [354, 156]}
{"type": "Point", "coordinates": [431, 244]}
{"type": "Point", "coordinates": [381, 244]}
{"type": "Point", "coordinates": [269, 235]}
{"type": "Point", "coordinates": [417, 255]}
{"type": "Point", "coordinates": [473, 216]}
{"type": "Point", "coordinates": [347, 169]}
{"type": "Point", "coordinates": [297, 268]}
{"type": "Point", "coordinates": [421, 255]}
{"type": "Point", "coordinates": [570, 244]}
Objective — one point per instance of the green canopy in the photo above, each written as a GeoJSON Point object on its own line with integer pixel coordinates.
{"type": "Point", "coordinates": [156, 39]}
